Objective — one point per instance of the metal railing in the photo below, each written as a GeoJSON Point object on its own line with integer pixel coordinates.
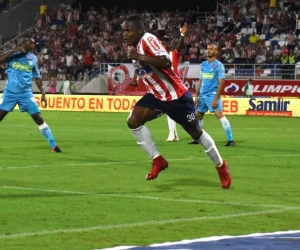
{"type": "Point", "coordinates": [263, 71]}
{"type": "Point", "coordinates": [232, 71]}
{"type": "Point", "coordinates": [242, 71]}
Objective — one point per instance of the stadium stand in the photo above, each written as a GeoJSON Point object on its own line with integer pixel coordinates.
{"type": "Point", "coordinates": [72, 42]}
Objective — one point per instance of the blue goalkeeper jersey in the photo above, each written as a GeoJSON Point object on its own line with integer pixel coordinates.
{"type": "Point", "coordinates": [210, 73]}
{"type": "Point", "coordinates": [21, 69]}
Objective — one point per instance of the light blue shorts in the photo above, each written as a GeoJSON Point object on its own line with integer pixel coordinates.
{"type": "Point", "coordinates": [205, 104]}
{"type": "Point", "coordinates": [26, 102]}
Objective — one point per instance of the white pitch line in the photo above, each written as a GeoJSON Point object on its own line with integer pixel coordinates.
{"type": "Point", "coordinates": [139, 224]}
{"type": "Point", "coordinates": [148, 197]}
{"type": "Point", "coordinates": [99, 163]}
{"type": "Point", "coordinates": [135, 162]}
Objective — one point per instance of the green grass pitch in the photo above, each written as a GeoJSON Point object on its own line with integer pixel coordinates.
{"type": "Point", "coordinates": [95, 195]}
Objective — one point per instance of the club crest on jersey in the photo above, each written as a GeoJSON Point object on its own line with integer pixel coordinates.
{"type": "Point", "coordinates": [118, 77]}
{"type": "Point", "coordinates": [30, 62]}
{"type": "Point", "coordinates": [144, 71]}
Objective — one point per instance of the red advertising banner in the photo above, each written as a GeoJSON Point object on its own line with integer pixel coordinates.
{"type": "Point", "coordinates": [119, 78]}
{"type": "Point", "coordinates": [263, 88]}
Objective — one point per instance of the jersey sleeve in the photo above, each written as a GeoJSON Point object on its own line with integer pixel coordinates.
{"type": "Point", "coordinates": [35, 71]}
{"type": "Point", "coordinates": [221, 72]}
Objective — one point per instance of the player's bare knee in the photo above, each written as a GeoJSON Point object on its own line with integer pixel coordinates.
{"type": "Point", "coordinates": [129, 120]}
{"type": "Point", "coordinates": [133, 123]}
{"type": "Point", "coordinates": [130, 124]}
{"type": "Point", "coordinates": [37, 119]}
{"type": "Point", "coordinates": [219, 114]}
{"type": "Point", "coordinates": [199, 115]}
{"type": "Point", "coordinates": [195, 132]}
{"type": "Point", "coordinates": [3, 113]}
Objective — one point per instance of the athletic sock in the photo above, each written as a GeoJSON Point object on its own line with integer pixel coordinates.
{"type": "Point", "coordinates": [172, 125]}
{"type": "Point", "coordinates": [46, 131]}
{"type": "Point", "coordinates": [227, 128]}
{"type": "Point", "coordinates": [210, 148]}
{"type": "Point", "coordinates": [200, 122]}
{"type": "Point", "coordinates": [145, 140]}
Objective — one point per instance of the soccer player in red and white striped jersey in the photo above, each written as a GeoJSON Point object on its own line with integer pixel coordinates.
{"type": "Point", "coordinates": [166, 95]}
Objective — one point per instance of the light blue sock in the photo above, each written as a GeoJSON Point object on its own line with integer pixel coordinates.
{"type": "Point", "coordinates": [227, 128]}
{"type": "Point", "coordinates": [46, 131]}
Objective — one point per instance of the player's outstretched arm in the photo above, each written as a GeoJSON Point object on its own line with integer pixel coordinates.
{"type": "Point", "coordinates": [5, 56]}
{"type": "Point", "coordinates": [183, 31]}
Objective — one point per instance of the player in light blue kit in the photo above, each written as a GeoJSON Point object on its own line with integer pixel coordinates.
{"type": "Point", "coordinates": [22, 68]}
{"type": "Point", "coordinates": [208, 92]}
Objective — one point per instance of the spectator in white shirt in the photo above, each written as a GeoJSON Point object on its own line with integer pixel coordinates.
{"type": "Point", "coordinates": [291, 39]}
{"type": "Point", "coordinates": [67, 87]}
{"type": "Point", "coordinates": [69, 63]}
{"type": "Point", "coordinates": [220, 22]}
{"type": "Point", "coordinates": [227, 56]}
{"type": "Point", "coordinates": [260, 59]}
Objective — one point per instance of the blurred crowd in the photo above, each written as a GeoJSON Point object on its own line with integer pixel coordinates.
{"type": "Point", "coordinates": [247, 32]}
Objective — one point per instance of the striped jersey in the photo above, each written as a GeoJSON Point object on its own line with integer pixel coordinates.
{"type": "Point", "coordinates": [164, 84]}
{"type": "Point", "coordinates": [210, 73]}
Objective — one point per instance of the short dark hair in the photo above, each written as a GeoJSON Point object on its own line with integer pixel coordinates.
{"type": "Point", "coordinates": [137, 20]}
{"type": "Point", "coordinates": [27, 37]}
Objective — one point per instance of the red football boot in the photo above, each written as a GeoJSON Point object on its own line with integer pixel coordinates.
{"type": "Point", "coordinates": [224, 175]}
{"type": "Point", "coordinates": [158, 164]}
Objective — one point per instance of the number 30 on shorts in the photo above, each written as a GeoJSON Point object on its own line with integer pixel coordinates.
{"type": "Point", "coordinates": [191, 117]}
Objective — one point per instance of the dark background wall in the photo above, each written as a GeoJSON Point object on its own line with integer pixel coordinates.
{"type": "Point", "coordinates": [151, 5]}
{"type": "Point", "coordinates": [23, 17]}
